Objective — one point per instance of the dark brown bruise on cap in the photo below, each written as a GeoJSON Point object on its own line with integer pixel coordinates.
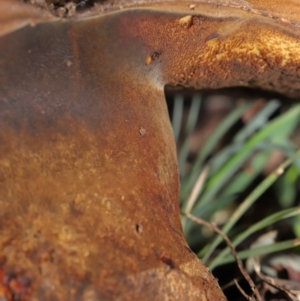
{"type": "Point", "coordinates": [77, 175]}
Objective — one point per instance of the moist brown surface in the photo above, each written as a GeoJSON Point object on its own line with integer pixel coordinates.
{"type": "Point", "coordinates": [88, 173]}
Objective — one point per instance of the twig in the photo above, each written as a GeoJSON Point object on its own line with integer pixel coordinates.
{"type": "Point", "coordinates": [232, 248]}
{"type": "Point", "coordinates": [242, 291]}
{"type": "Point", "coordinates": [272, 282]}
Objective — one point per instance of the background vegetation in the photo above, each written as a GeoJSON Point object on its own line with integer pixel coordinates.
{"type": "Point", "coordinates": [244, 177]}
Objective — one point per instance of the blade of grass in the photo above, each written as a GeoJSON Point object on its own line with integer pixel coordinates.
{"type": "Point", "coordinates": [276, 247]}
{"type": "Point", "coordinates": [190, 126]}
{"type": "Point", "coordinates": [238, 184]}
{"type": "Point", "coordinates": [269, 220]}
{"type": "Point", "coordinates": [194, 194]}
{"type": "Point", "coordinates": [257, 122]}
{"type": "Point", "coordinates": [244, 206]}
{"type": "Point", "coordinates": [219, 132]}
{"type": "Point", "coordinates": [275, 129]}
{"type": "Point", "coordinates": [243, 179]}
{"type": "Point", "coordinates": [286, 189]}
{"type": "Point", "coordinates": [177, 115]}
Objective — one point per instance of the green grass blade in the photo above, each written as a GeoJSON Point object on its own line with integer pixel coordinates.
{"type": "Point", "coordinates": [253, 196]}
{"type": "Point", "coordinates": [276, 247]}
{"type": "Point", "coordinates": [210, 144]}
{"type": "Point", "coordinates": [190, 126]}
{"type": "Point", "coordinates": [177, 116]}
{"type": "Point", "coordinates": [276, 129]}
{"type": "Point", "coordinates": [270, 220]}
{"type": "Point", "coordinates": [258, 121]}
{"type": "Point", "coordinates": [239, 183]}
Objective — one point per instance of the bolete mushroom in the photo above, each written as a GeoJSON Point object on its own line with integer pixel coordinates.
{"type": "Point", "coordinates": [88, 174]}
